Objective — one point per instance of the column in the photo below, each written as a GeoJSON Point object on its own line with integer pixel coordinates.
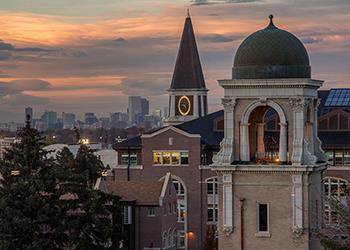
{"type": "Point", "coordinates": [244, 136]}
{"type": "Point", "coordinates": [226, 153]}
{"type": "Point", "coordinates": [297, 204]}
{"type": "Point", "coordinates": [283, 147]}
{"type": "Point", "coordinates": [172, 106]}
{"type": "Point", "coordinates": [195, 106]}
{"type": "Point", "coordinates": [318, 151]}
{"type": "Point", "coordinates": [310, 136]}
{"type": "Point", "coordinates": [260, 140]}
{"type": "Point", "coordinates": [227, 203]}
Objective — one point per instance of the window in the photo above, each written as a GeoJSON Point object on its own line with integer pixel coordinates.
{"type": "Point", "coordinates": [170, 158]}
{"type": "Point", "coordinates": [182, 213]}
{"type": "Point", "coordinates": [338, 158]}
{"type": "Point", "coordinates": [329, 155]}
{"type": "Point", "coordinates": [334, 188]}
{"type": "Point", "coordinates": [151, 212]}
{"type": "Point", "coordinates": [184, 158]}
{"type": "Point", "coordinates": [212, 192]}
{"type": "Point", "coordinates": [175, 158]}
{"type": "Point", "coordinates": [212, 186]}
{"type": "Point", "coordinates": [182, 239]}
{"type": "Point", "coordinates": [157, 158]}
{"type": "Point", "coordinates": [125, 158]}
{"type": "Point", "coordinates": [212, 212]}
{"type": "Point", "coordinates": [127, 215]}
{"type": "Point", "coordinates": [262, 217]}
{"type": "Point", "coordinates": [180, 190]}
{"type": "Point", "coordinates": [347, 158]}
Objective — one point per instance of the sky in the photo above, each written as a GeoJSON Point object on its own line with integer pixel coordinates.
{"type": "Point", "coordinates": [90, 55]}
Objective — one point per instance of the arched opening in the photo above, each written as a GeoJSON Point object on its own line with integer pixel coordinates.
{"type": "Point", "coordinates": [263, 134]}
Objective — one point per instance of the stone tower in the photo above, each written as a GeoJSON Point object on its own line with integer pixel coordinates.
{"type": "Point", "coordinates": [270, 196]}
{"type": "Point", "coordinates": [187, 93]}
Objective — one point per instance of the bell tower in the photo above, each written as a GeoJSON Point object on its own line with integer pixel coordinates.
{"type": "Point", "coordinates": [187, 93]}
{"type": "Point", "coordinates": [270, 196]}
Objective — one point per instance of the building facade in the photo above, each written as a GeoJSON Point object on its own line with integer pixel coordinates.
{"type": "Point", "coordinates": [270, 201]}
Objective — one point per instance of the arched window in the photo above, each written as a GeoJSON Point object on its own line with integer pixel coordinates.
{"type": "Point", "coordinates": [212, 193]}
{"type": "Point", "coordinates": [334, 188]}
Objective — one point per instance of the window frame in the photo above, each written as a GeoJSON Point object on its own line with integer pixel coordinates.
{"type": "Point", "coordinates": [178, 153]}
{"type": "Point", "coordinates": [258, 231]}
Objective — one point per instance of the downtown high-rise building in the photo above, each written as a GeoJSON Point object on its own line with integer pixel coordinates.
{"type": "Point", "coordinates": [138, 107]}
{"type": "Point", "coordinates": [49, 120]}
{"type": "Point", "coordinates": [68, 120]}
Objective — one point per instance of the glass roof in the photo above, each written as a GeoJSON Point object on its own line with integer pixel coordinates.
{"type": "Point", "coordinates": [338, 97]}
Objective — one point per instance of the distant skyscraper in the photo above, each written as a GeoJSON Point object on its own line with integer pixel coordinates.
{"type": "Point", "coordinates": [28, 112]}
{"type": "Point", "coordinates": [49, 118]}
{"type": "Point", "coordinates": [144, 107]}
{"type": "Point", "coordinates": [137, 109]}
{"type": "Point", "coordinates": [90, 118]}
{"type": "Point", "coordinates": [68, 120]}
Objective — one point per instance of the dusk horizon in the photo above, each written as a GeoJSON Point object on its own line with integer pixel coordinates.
{"type": "Point", "coordinates": [89, 58]}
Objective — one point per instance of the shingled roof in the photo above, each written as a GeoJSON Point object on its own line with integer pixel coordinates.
{"type": "Point", "coordinates": [143, 192]}
{"type": "Point", "coordinates": [188, 70]}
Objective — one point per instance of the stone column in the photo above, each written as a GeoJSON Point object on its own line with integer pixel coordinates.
{"type": "Point", "coordinates": [195, 106]}
{"type": "Point", "coordinates": [283, 147]}
{"type": "Point", "coordinates": [172, 106]}
{"type": "Point", "coordinates": [244, 137]}
{"type": "Point", "coordinates": [318, 151]}
{"type": "Point", "coordinates": [310, 136]}
{"type": "Point", "coordinates": [227, 203]}
{"type": "Point", "coordinates": [260, 140]}
{"type": "Point", "coordinates": [226, 153]}
{"type": "Point", "coordinates": [301, 155]}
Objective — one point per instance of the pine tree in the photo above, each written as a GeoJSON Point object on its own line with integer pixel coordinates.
{"type": "Point", "coordinates": [29, 209]}
{"type": "Point", "coordinates": [93, 217]}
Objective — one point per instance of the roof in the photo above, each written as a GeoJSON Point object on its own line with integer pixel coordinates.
{"type": "Point", "coordinates": [334, 139]}
{"type": "Point", "coordinates": [143, 192]}
{"type": "Point", "coordinates": [271, 53]}
{"type": "Point", "coordinates": [329, 96]}
{"type": "Point", "coordinates": [204, 126]}
{"type": "Point", "coordinates": [188, 72]}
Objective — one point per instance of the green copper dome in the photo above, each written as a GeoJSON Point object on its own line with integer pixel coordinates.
{"type": "Point", "coordinates": [271, 53]}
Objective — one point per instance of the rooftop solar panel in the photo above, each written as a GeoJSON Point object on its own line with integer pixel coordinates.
{"type": "Point", "coordinates": [338, 97]}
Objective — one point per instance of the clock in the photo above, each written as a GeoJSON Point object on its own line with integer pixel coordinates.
{"type": "Point", "coordinates": [184, 105]}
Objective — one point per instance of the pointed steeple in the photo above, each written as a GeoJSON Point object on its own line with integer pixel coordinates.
{"type": "Point", "coordinates": [188, 70]}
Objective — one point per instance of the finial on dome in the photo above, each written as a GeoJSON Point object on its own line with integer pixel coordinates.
{"type": "Point", "coordinates": [271, 24]}
{"type": "Point", "coordinates": [188, 13]}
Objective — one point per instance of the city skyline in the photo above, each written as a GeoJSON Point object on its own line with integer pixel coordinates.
{"type": "Point", "coordinates": [89, 58]}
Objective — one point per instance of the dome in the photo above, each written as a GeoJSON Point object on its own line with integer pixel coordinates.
{"type": "Point", "coordinates": [271, 53]}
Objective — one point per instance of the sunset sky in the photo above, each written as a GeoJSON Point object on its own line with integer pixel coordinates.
{"type": "Point", "coordinates": [89, 55]}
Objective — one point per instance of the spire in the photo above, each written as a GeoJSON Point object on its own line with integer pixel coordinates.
{"type": "Point", "coordinates": [188, 70]}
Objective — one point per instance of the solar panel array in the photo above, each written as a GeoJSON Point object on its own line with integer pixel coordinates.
{"type": "Point", "coordinates": [338, 97]}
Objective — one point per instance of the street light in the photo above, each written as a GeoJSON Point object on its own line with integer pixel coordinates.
{"type": "Point", "coordinates": [15, 172]}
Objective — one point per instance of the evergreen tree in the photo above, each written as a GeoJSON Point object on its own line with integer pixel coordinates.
{"type": "Point", "coordinates": [93, 217]}
{"type": "Point", "coordinates": [29, 209]}
{"type": "Point", "coordinates": [51, 203]}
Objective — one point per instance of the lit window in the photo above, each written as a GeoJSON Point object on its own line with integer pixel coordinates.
{"type": "Point", "coordinates": [151, 212]}
{"type": "Point", "coordinates": [175, 158]}
{"type": "Point", "coordinates": [182, 213]}
{"type": "Point", "coordinates": [184, 158]}
{"type": "Point", "coordinates": [170, 158]}
{"type": "Point", "coordinates": [157, 158]}
{"type": "Point", "coordinates": [166, 158]}
{"type": "Point", "coordinates": [262, 217]}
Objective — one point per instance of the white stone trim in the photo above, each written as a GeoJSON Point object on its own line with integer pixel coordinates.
{"type": "Point", "coordinates": [177, 130]}
{"type": "Point", "coordinates": [297, 204]}
{"type": "Point", "coordinates": [165, 184]}
{"type": "Point", "coordinates": [227, 200]}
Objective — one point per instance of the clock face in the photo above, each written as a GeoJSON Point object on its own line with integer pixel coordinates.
{"type": "Point", "coordinates": [184, 105]}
